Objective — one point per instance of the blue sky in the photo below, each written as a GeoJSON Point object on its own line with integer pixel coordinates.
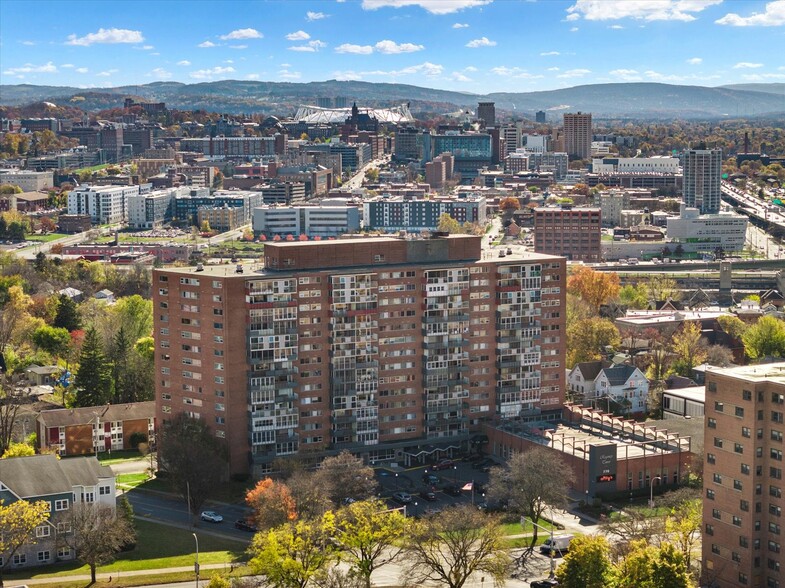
{"type": "Point", "coordinates": [466, 45]}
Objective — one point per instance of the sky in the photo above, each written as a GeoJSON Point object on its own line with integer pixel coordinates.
{"type": "Point", "coordinates": [477, 46]}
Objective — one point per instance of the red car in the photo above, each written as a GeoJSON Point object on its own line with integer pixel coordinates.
{"type": "Point", "coordinates": [444, 464]}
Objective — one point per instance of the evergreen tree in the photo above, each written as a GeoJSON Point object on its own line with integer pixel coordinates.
{"type": "Point", "coordinates": [94, 377]}
{"type": "Point", "coordinates": [120, 368]}
{"type": "Point", "coordinates": [67, 316]}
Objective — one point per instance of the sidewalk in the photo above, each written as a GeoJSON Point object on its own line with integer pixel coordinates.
{"type": "Point", "coordinates": [114, 575]}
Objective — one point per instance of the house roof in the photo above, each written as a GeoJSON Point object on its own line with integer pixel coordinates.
{"type": "Point", "coordinates": [45, 370]}
{"type": "Point", "coordinates": [70, 292]}
{"type": "Point", "coordinates": [589, 369]}
{"type": "Point", "coordinates": [65, 417]}
{"type": "Point", "coordinates": [619, 374]}
{"type": "Point", "coordinates": [105, 293]}
{"type": "Point", "coordinates": [44, 475]}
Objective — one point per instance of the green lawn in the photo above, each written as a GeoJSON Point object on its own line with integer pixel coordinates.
{"type": "Point", "coordinates": [107, 458]}
{"type": "Point", "coordinates": [232, 492]}
{"type": "Point", "coordinates": [157, 547]}
{"type": "Point", "coordinates": [516, 529]}
{"type": "Point", "coordinates": [46, 238]}
{"type": "Point", "coordinates": [92, 169]}
{"type": "Point", "coordinates": [120, 581]}
{"type": "Point", "coordinates": [128, 481]}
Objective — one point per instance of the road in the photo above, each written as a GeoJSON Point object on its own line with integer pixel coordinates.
{"type": "Point", "coordinates": [356, 181]}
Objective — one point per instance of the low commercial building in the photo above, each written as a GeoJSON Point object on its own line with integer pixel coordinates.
{"type": "Point", "coordinates": [329, 218]}
{"type": "Point", "coordinates": [290, 193]}
{"type": "Point", "coordinates": [708, 232]}
{"type": "Point", "coordinates": [222, 219]}
{"type": "Point", "coordinates": [28, 181]}
{"type": "Point", "coordinates": [656, 164]}
{"type": "Point", "coordinates": [687, 402]}
{"type": "Point", "coordinates": [414, 215]}
{"type": "Point", "coordinates": [571, 232]}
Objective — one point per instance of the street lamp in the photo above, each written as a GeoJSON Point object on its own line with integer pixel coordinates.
{"type": "Point", "coordinates": [651, 490]}
{"type": "Point", "coordinates": [196, 563]}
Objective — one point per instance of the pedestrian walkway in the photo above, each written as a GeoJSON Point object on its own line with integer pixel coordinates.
{"type": "Point", "coordinates": [115, 575]}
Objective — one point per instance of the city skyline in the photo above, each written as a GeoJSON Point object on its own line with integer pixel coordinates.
{"type": "Point", "coordinates": [472, 45]}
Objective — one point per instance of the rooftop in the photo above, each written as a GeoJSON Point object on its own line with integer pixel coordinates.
{"type": "Point", "coordinates": [773, 372]}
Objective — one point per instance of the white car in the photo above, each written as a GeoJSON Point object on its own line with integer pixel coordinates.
{"type": "Point", "coordinates": [211, 517]}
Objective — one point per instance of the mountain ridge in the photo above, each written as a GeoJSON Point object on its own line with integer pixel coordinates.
{"type": "Point", "coordinates": [626, 100]}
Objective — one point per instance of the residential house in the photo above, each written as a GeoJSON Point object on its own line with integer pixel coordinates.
{"type": "Point", "coordinates": [81, 431]}
{"type": "Point", "coordinates": [61, 483]}
{"type": "Point", "coordinates": [106, 295]}
{"type": "Point", "coordinates": [605, 385]}
{"type": "Point", "coordinates": [43, 375]}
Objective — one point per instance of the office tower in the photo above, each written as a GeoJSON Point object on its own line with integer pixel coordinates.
{"type": "Point", "coordinates": [702, 175]}
{"type": "Point", "coordinates": [539, 116]}
{"type": "Point", "coordinates": [486, 111]}
{"type": "Point", "coordinates": [341, 102]}
{"type": "Point", "coordinates": [577, 135]}
{"type": "Point", "coordinates": [324, 102]}
{"type": "Point", "coordinates": [742, 476]}
{"type": "Point", "coordinates": [378, 346]}
{"type": "Point", "coordinates": [512, 138]}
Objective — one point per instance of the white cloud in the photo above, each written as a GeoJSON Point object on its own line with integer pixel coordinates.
{"type": "Point", "coordinates": [628, 75]}
{"type": "Point", "coordinates": [207, 44]}
{"type": "Point", "coordinates": [311, 16]}
{"type": "Point", "coordinates": [160, 73]}
{"type": "Point", "coordinates": [242, 34]}
{"type": "Point", "coordinates": [514, 72]}
{"type": "Point", "coordinates": [574, 73]}
{"type": "Point", "coordinates": [184, 62]}
{"type": "Point", "coordinates": [554, 69]}
{"type": "Point", "coordinates": [432, 6]}
{"type": "Point", "coordinates": [147, 47]}
{"type": "Point", "coordinates": [391, 47]}
{"type": "Point", "coordinates": [28, 43]}
{"type": "Point", "coordinates": [574, 30]}
{"type": "Point", "coordinates": [238, 46]}
{"type": "Point", "coordinates": [357, 49]}
{"type": "Point", "coordinates": [774, 15]}
{"type": "Point", "coordinates": [30, 68]}
{"type": "Point", "coordinates": [67, 65]}
{"type": "Point", "coordinates": [549, 53]}
{"type": "Point", "coordinates": [660, 77]}
{"type": "Point", "coordinates": [460, 25]}
{"type": "Point", "coordinates": [252, 77]}
{"type": "Point", "coordinates": [82, 70]}
{"type": "Point", "coordinates": [208, 74]}
{"type": "Point", "coordinates": [763, 76]}
{"type": "Point", "coordinates": [481, 42]}
{"type": "Point", "coordinates": [106, 36]}
{"type": "Point", "coordinates": [286, 65]}
{"type": "Point", "coordinates": [679, 10]}
{"type": "Point", "coordinates": [228, 61]}
{"type": "Point", "coordinates": [616, 27]}
{"type": "Point", "coordinates": [285, 74]}
{"type": "Point", "coordinates": [695, 60]}
{"type": "Point", "coordinates": [470, 68]}
{"type": "Point", "coordinates": [311, 47]}
{"type": "Point", "coordinates": [423, 69]}
{"type": "Point", "coordinates": [459, 77]}
{"type": "Point", "coordinates": [747, 65]}
{"type": "Point", "coordinates": [298, 36]}
{"type": "Point", "coordinates": [107, 73]}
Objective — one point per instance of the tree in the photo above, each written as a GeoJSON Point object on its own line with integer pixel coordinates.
{"type": "Point", "coordinates": [631, 526]}
{"type": "Point", "coordinates": [55, 341]}
{"type": "Point", "coordinates": [587, 339]}
{"type": "Point", "coordinates": [532, 480]}
{"type": "Point", "coordinates": [684, 525]}
{"type": "Point", "coordinates": [593, 287]}
{"type": "Point", "coordinates": [688, 348]}
{"type": "Point", "coordinates": [766, 337]}
{"type": "Point", "coordinates": [93, 383]}
{"type": "Point", "coordinates": [370, 535]}
{"type": "Point", "coordinates": [661, 288]}
{"type": "Point", "coordinates": [733, 326]}
{"type": "Point", "coordinates": [509, 205]}
{"type": "Point", "coordinates": [289, 556]}
{"type": "Point", "coordinates": [670, 568]}
{"type": "Point", "coordinates": [448, 224]}
{"type": "Point", "coordinates": [9, 408]}
{"type": "Point", "coordinates": [308, 496]}
{"type": "Point", "coordinates": [449, 548]}
{"type": "Point", "coordinates": [97, 534]}
{"type": "Point", "coordinates": [719, 356]}
{"type": "Point", "coordinates": [272, 503]}
{"type": "Point", "coordinates": [18, 521]}
{"type": "Point", "coordinates": [135, 314]}
{"type": "Point", "coordinates": [346, 476]}
{"type": "Point", "coordinates": [634, 296]}
{"type": "Point", "coordinates": [13, 312]}
{"type": "Point", "coordinates": [18, 450]}
{"type": "Point", "coordinates": [193, 458]}
{"type": "Point", "coordinates": [372, 175]}
{"type": "Point", "coordinates": [67, 316]}
{"type": "Point", "coordinates": [587, 564]}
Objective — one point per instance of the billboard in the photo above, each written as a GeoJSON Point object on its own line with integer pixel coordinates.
{"type": "Point", "coordinates": [602, 469]}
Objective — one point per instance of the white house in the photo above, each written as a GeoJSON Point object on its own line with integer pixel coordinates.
{"type": "Point", "coordinates": [603, 385]}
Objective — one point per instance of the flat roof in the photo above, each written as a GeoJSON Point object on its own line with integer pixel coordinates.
{"type": "Point", "coordinates": [694, 393]}
{"type": "Point", "coordinates": [774, 372]}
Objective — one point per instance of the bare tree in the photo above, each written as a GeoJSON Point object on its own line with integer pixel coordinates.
{"type": "Point", "coordinates": [630, 526]}
{"type": "Point", "coordinates": [450, 547]}
{"type": "Point", "coordinates": [97, 534]}
{"type": "Point", "coordinates": [9, 408]}
{"type": "Point", "coordinates": [346, 476]}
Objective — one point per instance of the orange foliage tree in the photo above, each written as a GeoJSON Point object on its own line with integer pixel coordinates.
{"type": "Point", "coordinates": [272, 503]}
{"type": "Point", "coordinates": [593, 287]}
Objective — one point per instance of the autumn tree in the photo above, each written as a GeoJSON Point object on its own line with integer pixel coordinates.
{"type": "Point", "coordinates": [18, 450]}
{"type": "Point", "coordinates": [733, 326]}
{"type": "Point", "coordinates": [309, 498]}
{"type": "Point", "coordinates": [13, 313]}
{"type": "Point", "coordinates": [588, 338]}
{"type": "Point", "coordinates": [688, 348]}
{"type": "Point", "coordinates": [93, 378]}
{"type": "Point", "coordinates": [97, 534]}
{"type": "Point", "coordinates": [9, 409]}
{"type": "Point", "coordinates": [765, 338]}
{"type": "Point", "coordinates": [662, 288]}
{"type": "Point", "coordinates": [18, 521]}
{"type": "Point", "coordinates": [193, 458]}
{"type": "Point", "coordinates": [509, 205]}
{"type": "Point", "coordinates": [447, 224]}
{"type": "Point", "coordinates": [448, 549]}
{"type": "Point", "coordinates": [634, 296]}
{"type": "Point", "coordinates": [272, 503]}
{"type": "Point", "coordinates": [593, 287]}
{"type": "Point", "coordinates": [683, 526]}
{"type": "Point", "coordinates": [291, 555]}
{"type": "Point", "coordinates": [346, 476]}
{"type": "Point", "coordinates": [370, 536]}
{"type": "Point", "coordinates": [587, 564]}
{"type": "Point", "coordinates": [532, 480]}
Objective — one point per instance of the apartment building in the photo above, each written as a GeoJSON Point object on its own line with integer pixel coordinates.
{"type": "Point", "coordinates": [398, 213]}
{"type": "Point", "coordinates": [577, 135]}
{"type": "Point", "coordinates": [743, 486]}
{"type": "Point", "coordinates": [572, 232]}
{"type": "Point", "coordinates": [104, 204]}
{"type": "Point", "coordinates": [330, 218]}
{"type": "Point", "coordinates": [378, 346]}
{"type": "Point", "coordinates": [702, 173]}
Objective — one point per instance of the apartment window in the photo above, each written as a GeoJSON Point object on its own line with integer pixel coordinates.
{"type": "Point", "coordinates": [63, 552]}
{"type": "Point", "coordinates": [715, 513]}
{"type": "Point", "coordinates": [719, 406]}
{"type": "Point", "coordinates": [718, 442]}
{"type": "Point", "coordinates": [715, 548]}
{"type": "Point", "coordinates": [711, 458]}
{"type": "Point", "coordinates": [735, 557]}
{"type": "Point", "coordinates": [739, 411]}
{"type": "Point", "coordinates": [61, 504]}
{"type": "Point", "coordinates": [736, 521]}
{"type": "Point", "coordinates": [774, 546]}
{"type": "Point", "coordinates": [742, 578]}
{"type": "Point", "coordinates": [711, 423]}
{"type": "Point", "coordinates": [709, 493]}
{"type": "Point", "coordinates": [737, 485]}
{"type": "Point", "coordinates": [712, 386]}
{"type": "Point", "coordinates": [42, 531]}
{"type": "Point", "coordinates": [775, 473]}
{"type": "Point", "coordinates": [774, 528]}
{"type": "Point", "coordinates": [776, 454]}
{"type": "Point", "coordinates": [746, 432]}
{"type": "Point", "coordinates": [738, 448]}
{"type": "Point", "coordinates": [717, 478]}
{"type": "Point", "coordinates": [745, 469]}
{"type": "Point", "coordinates": [775, 491]}
{"type": "Point", "coordinates": [746, 395]}
{"type": "Point", "coordinates": [43, 556]}
{"type": "Point", "coordinates": [709, 529]}
{"type": "Point", "coordinates": [776, 436]}
{"type": "Point", "coordinates": [744, 505]}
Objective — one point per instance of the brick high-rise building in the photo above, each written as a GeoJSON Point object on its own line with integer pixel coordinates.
{"type": "Point", "coordinates": [379, 346]}
{"type": "Point", "coordinates": [743, 476]}
{"type": "Point", "coordinates": [572, 232]}
{"type": "Point", "coordinates": [577, 135]}
{"type": "Point", "coordinates": [486, 112]}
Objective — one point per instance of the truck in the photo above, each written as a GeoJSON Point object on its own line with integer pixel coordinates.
{"type": "Point", "coordinates": [560, 544]}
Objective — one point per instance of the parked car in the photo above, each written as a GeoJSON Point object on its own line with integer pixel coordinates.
{"type": "Point", "coordinates": [431, 479]}
{"type": "Point", "coordinates": [211, 517]}
{"type": "Point", "coordinates": [244, 525]}
{"type": "Point", "coordinates": [402, 497]}
{"type": "Point", "coordinates": [428, 495]}
{"type": "Point", "coordinates": [547, 583]}
{"type": "Point", "coordinates": [444, 464]}
{"type": "Point", "coordinates": [452, 490]}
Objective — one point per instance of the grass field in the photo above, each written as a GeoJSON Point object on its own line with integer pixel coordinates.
{"type": "Point", "coordinates": [129, 481]}
{"type": "Point", "coordinates": [119, 581]}
{"type": "Point", "coordinates": [46, 238]}
{"type": "Point", "coordinates": [157, 547]}
{"type": "Point", "coordinates": [115, 457]}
